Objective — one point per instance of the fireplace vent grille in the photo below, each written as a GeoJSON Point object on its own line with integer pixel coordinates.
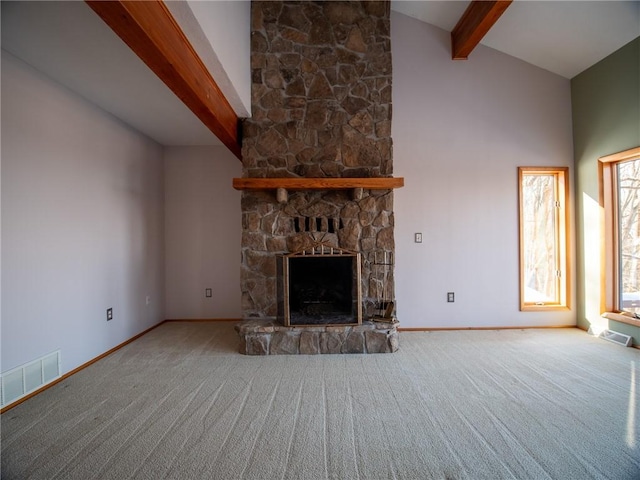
{"type": "Point", "coordinates": [317, 224]}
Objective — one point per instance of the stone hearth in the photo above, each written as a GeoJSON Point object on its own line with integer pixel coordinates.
{"type": "Point", "coordinates": [266, 337]}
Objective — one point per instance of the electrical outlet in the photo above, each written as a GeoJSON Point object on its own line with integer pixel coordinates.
{"type": "Point", "coordinates": [418, 237]}
{"type": "Point", "coordinates": [208, 293]}
{"type": "Point", "coordinates": [148, 300]}
{"type": "Point", "coordinates": [451, 297]}
{"type": "Point", "coordinates": [109, 314]}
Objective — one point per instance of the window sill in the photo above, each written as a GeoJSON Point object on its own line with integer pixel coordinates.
{"type": "Point", "coordinates": [622, 318]}
{"type": "Point", "coordinates": [543, 308]}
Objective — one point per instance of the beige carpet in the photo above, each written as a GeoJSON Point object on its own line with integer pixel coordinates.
{"type": "Point", "coordinates": [180, 403]}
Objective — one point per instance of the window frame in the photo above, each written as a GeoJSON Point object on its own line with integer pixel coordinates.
{"type": "Point", "coordinates": [562, 224]}
{"type": "Point", "coordinates": [609, 255]}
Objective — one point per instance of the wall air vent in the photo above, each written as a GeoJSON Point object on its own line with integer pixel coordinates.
{"type": "Point", "coordinates": [21, 381]}
{"type": "Point", "coordinates": [616, 337]}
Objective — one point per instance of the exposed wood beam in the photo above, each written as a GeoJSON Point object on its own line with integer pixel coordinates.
{"type": "Point", "coordinates": [474, 24]}
{"type": "Point", "coordinates": [149, 29]}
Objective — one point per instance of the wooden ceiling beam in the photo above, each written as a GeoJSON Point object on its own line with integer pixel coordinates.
{"type": "Point", "coordinates": [474, 24]}
{"type": "Point", "coordinates": [149, 29]}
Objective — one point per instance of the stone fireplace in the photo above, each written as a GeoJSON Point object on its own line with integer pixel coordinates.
{"type": "Point", "coordinates": [321, 109]}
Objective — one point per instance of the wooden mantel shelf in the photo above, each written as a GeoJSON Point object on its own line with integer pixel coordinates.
{"type": "Point", "coordinates": [378, 183]}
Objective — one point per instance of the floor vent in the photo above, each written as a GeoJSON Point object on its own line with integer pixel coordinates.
{"type": "Point", "coordinates": [615, 337]}
{"type": "Point", "coordinates": [22, 380]}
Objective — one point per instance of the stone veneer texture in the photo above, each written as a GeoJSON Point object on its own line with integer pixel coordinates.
{"type": "Point", "coordinates": [264, 337]}
{"type": "Point", "coordinates": [321, 105]}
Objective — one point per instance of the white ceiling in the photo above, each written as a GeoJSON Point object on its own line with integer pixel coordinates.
{"type": "Point", "coordinates": [564, 37]}
{"type": "Point", "coordinates": [68, 42]}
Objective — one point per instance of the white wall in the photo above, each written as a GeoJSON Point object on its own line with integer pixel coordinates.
{"type": "Point", "coordinates": [82, 224]}
{"type": "Point", "coordinates": [202, 233]}
{"type": "Point", "coordinates": [460, 130]}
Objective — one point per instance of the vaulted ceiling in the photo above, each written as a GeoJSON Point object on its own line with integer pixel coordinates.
{"type": "Point", "coordinates": [69, 43]}
{"type": "Point", "coordinates": [564, 37]}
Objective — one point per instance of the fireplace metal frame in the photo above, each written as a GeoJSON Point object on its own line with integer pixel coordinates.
{"type": "Point", "coordinates": [318, 250]}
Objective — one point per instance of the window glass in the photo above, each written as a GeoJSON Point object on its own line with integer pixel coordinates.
{"type": "Point", "coordinates": [543, 255]}
{"type": "Point", "coordinates": [628, 234]}
{"type": "Point", "coordinates": [539, 243]}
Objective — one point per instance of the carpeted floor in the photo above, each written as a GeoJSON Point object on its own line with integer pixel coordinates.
{"type": "Point", "coordinates": [180, 403]}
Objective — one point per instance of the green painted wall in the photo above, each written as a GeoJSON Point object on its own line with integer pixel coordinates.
{"type": "Point", "coordinates": [606, 119]}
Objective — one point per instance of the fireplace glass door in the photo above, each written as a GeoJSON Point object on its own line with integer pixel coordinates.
{"type": "Point", "coordinates": [319, 289]}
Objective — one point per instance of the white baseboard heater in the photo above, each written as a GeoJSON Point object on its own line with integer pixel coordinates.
{"type": "Point", "coordinates": [21, 381]}
{"type": "Point", "coordinates": [616, 337]}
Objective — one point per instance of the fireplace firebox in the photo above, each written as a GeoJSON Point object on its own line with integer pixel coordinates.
{"type": "Point", "coordinates": [319, 286]}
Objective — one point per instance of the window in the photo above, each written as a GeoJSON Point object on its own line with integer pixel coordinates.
{"type": "Point", "coordinates": [620, 199]}
{"type": "Point", "coordinates": [544, 276]}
